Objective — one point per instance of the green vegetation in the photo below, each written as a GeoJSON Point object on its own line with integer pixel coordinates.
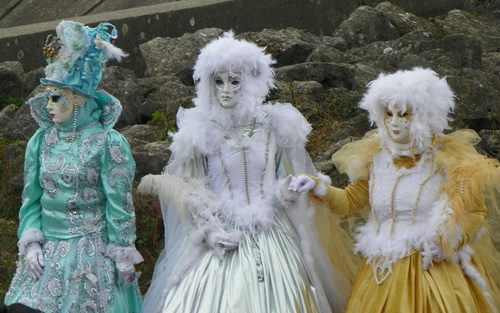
{"type": "Point", "coordinates": [338, 107]}
{"type": "Point", "coordinates": [9, 202]}
{"type": "Point", "coordinates": [150, 237]}
{"type": "Point", "coordinates": [164, 118]}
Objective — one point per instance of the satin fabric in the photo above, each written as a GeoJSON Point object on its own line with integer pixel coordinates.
{"type": "Point", "coordinates": [78, 199]}
{"type": "Point", "coordinates": [233, 284]}
{"type": "Point", "coordinates": [441, 288]}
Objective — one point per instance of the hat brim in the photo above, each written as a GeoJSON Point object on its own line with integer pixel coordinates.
{"type": "Point", "coordinates": [49, 82]}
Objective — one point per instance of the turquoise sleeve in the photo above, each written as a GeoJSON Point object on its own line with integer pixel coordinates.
{"type": "Point", "coordinates": [31, 209]}
{"type": "Point", "coordinates": [118, 169]}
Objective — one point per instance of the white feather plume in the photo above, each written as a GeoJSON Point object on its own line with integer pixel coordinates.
{"type": "Point", "coordinates": [112, 51]}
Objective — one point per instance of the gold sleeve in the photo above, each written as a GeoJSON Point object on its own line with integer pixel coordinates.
{"type": "Point", "coordinates": [473, 222]}
{"type": "Point", "coordinates": [347, 201]}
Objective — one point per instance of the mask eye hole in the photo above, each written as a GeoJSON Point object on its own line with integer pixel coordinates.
{"type": "Point", "coordinates": [55, 98]}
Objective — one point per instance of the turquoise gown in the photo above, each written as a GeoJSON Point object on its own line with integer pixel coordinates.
{"type": "Point", "coordinates": [77, 203]}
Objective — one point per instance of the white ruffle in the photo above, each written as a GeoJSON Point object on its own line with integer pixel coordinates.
{"type": "Point", "coordinates": [29, 236]}
{"type": "Point", "coordinates": [382, 249]}
{"type": "Point", "coordinates": [290, 126]}
{"type": "Point", "coordinates": [124, 254]}
{"type": "Point", "coordinates": [291, 129]}
{"type": "Point", "coordinates": [464, 256]}
{"type": "Point", "coordinates": [321, 187]}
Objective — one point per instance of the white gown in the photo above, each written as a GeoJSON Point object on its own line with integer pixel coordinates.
{"type": "Point", "coordinates": [276, 267]}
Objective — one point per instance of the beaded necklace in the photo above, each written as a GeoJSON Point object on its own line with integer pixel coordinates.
{"type": "Point", "coordinates": [70, 137]}
{"type": "Point", "coordinates": [432, 172]}
{"type": "Point", "coordinates": [245, 167]}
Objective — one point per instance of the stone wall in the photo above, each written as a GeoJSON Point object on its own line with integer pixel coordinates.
{"type": "Point", "coordinates": [157, 18]}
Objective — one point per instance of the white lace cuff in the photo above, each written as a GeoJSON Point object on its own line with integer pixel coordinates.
{"type": "Point", "coordinates": [29, 236]}
{"type": "Point", "coordinates": [124, 254]}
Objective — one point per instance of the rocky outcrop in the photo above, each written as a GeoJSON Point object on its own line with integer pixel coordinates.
{"type": "Point", "coordinates": [318, 74]}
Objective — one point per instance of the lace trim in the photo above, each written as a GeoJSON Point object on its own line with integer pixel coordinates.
{"type": "Point", "coordinates": [124, 254]}
{"type": "Point", "coordinates": [29, 236]}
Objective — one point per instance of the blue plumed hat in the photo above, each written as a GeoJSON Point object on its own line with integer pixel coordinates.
{"type": "Point", "coordinates": [76, 57]}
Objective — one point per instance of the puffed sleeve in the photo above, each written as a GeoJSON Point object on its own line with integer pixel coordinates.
{"type": "Point", "coordinates": [31, 209]}
{"type": "Point", "coordinates": [347, 201]}
{"type": "Point", "coordinates": [117, 175]}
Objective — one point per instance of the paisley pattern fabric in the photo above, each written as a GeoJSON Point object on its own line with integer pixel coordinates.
{"type": "Point", "coordinates": [77, 203]}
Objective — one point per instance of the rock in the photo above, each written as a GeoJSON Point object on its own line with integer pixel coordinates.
{"type": "Point", "coordinates": [405, 22]}
{"type": "Point", "coordinates": [466, 49]}
{"type": "Point", "coordinates": [366, 25]}
{"type": "Point", "coordinates": [21, 125]}
{"type": "Point", "coordinates": [32, 79]}
{"type": "Point", "coordinates": [11, 78]}
{"type": "Point", "coordinates": [168, 97]}
{"type": "Point", "coordinates": [7, 114]}
{"type": "Point", "coordinates": [490, 141]}
{"type": "Point", "coordinates": [301, 72]}
{"type": "Point", "coordinates": [13, 156]}
{"type": "Point", "coordinates": [150, 155]}
{"type": "Point", "coordinates": [325, 53]}
{"type": "Point", "coordinates": [151, 158]}
{"type": "Point", "coordinates": [123, 84]}
{"type": "Point", "coordinates": [475, 25]}
{"type": "Point", "coordinates": [477, 95]}
{"type": "Point", "coordinates": [167, 56]}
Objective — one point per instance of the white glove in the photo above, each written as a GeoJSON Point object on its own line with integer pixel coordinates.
{"type": "Point", "coordinates": [126, 273]}
{"type": "Point", "coordinates": [287, 195]}
{"type": "Point", "coordinates": [436, 252]}
{"type": "Point", "coordinates": [222, 241]}
{"type": "Point", "coordinates": [301, 183]}
{"type": "Point", "coordinates": [431, 254]}
{"type": "Point", "coordinates": [34, 260]}
{"type": "Point", "coordinates": [214, 234]}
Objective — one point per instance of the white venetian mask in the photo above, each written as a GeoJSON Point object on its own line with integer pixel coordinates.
{"type": "Point", "coordinates": [227, 87]}
{"type": "Point", "coordinates": [397, 124]}
{"type": "Point", "coordinates": [62, 103]}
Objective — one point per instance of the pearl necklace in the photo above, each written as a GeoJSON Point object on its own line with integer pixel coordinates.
{"type": "Point", "coordinates": [245, 169]}
{"type": "Point", "coordinates": [432, 172]}
{"type": "Point", "coordinates": [70, 137]}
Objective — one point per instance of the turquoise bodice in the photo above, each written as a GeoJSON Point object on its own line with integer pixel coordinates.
{"type": "Point", "coordinates": [80, 188]}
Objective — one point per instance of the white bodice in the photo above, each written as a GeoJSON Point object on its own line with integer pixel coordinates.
{"type": "Point", "coordinates": [407, 194]}
{"type": "Point", "coordinates": [407, 208]}
{"type": "Point", "coordinates": [242, 173]}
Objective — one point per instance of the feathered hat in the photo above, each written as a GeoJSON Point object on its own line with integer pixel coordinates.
{"type": "Point", "coordinates": [76, 57]}
{"type": "Point", "coordinates": [428, 96]}
{"type": "Point", "coordinates": [227, 54]}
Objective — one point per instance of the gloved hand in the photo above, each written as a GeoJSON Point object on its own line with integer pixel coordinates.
{"type": "Point", "coordinates": [436, 252]}
{"type": "Point", "coordinates": [221, 241]}
{"type": "Point", "coordinates": [126, 273]}
{"type": "Point", "coordinates": [431, 253]}
{"type": "Point", "coordinates": [301, 183]}
{"type": "Point", "coordinates": [286, 194]}
{"type": "Point", "coordinates": [34, 260]}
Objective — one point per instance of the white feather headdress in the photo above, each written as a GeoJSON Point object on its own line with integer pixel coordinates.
{"type": "Point", "coordinates": [428, 96]}
{"type": "Point", "coordinates": [248, 61]}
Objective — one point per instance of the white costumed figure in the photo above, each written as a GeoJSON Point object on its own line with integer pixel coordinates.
{"type": "Point", "coordinates": [425, 246]}
{"type": "Point", "coordinates": [231, 245]}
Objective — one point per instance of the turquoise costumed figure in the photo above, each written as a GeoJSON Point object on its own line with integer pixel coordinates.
{"type": "Point", "coordinates": [77, 219]}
